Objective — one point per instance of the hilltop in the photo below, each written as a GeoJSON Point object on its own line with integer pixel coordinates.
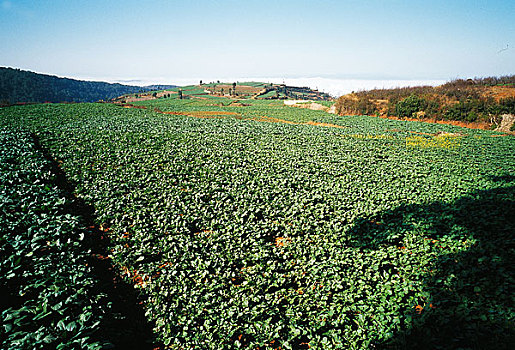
{"type": "Point", "coordinates": [236, 90]}
{"type": "Point", "coordinates": [19, 86]}
{"type": "Point", "coordinates": [480, 102]}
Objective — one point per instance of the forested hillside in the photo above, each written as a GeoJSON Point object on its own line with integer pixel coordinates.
{"type": "Point", "coordinates": [23, 86]}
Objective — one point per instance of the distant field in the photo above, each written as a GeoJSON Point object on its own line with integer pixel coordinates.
{"type": "Point", "coordinates": [251, 224]}
{"type": "Point", "coordinates": [235, 90]}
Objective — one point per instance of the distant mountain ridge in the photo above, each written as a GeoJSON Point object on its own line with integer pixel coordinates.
{"type": "Point", "coordinates": [18, 86]}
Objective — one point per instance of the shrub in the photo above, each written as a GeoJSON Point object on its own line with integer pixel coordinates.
{"type": "Point", "coordinates": [357, 105]}
{"type": "Point", "coordinates": [410, 106]}
{"type": "Point", "coordinates": [507, 105]}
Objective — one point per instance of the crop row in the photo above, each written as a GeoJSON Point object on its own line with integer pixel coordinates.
{"type": "Point", "coordinates": [55, 293]}
{"type": "Point", "coordinates": [50, 291]}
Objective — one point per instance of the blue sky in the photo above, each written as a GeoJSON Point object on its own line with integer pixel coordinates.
{"type": "Point", "coordinates": [176, 40]}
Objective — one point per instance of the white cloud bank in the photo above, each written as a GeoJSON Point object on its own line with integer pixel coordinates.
{"type": "Point", "coordinates": [338, 87]}
{"type": "Point", "coordinates": [332, 86]}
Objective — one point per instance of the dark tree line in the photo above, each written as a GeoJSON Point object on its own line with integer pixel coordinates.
{"type": "Point", "coordinates": [23, 86]}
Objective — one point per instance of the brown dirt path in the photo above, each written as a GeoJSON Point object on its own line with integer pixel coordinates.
{"type": "Point", "coordinates": [470, 125]}
{"type": "Point", "coordinates": [263, 118]}
{"type": "Point", "coordinates": [224, 114]}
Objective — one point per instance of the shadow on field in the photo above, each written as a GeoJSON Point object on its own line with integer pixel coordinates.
{"type": "Point", "coordinates": [125, 326]}
{"type": "Point", "coordinates": [471, 305]}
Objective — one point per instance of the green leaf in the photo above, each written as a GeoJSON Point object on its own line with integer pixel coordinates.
{"type": "Point", "coordinates": [8, 327]}
{"type": "Point", "coordinates": [71, 326]}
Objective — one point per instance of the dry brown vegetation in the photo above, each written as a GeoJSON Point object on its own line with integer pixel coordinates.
{"type": "Point", "coordinates": [482, 101]}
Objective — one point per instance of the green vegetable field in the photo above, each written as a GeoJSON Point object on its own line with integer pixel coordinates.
{"type": "Point", "coordinates": [254, 226]}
